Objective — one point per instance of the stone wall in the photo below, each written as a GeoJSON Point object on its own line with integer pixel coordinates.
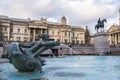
{"type": "Point", "coordinates": [84, 50]}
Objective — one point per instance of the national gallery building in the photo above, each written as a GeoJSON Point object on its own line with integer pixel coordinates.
{"type": "Point", "coordinates": [16, 29]}
{"type": "Point", "coordinates": [114, 35]}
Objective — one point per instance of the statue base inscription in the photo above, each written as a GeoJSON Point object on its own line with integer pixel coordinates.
{"type": "Point", "coordinates": [101, 44]}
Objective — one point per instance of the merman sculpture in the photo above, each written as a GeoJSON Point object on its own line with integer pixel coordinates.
{"type": "Point", "coordinates": [29, 60]}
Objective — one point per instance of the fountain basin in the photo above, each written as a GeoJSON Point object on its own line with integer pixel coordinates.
{"type": "Point", "coordinates": [69, 68]}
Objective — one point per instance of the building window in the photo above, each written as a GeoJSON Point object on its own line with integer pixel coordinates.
{"type": "Point", "coordinates": [25, 39]}
{"type": "Point", "coordinates": [25, 31]}
{"type": "Point", "coordinates": [18, 38]}
{"type": "Point", "coordinates": [73, 41]}
{"type": "Point", "coordinates": [58, 33]}
{"type": "Point", "coordinates": [11, 39]}
{"type": "Point", "coordinates": [43, 30]}
{"type": "Point", "coordinates": [5, 29]}
{"type": "Point", "coordinates": [5, 38]}
{"type": "Point", "coordinates": [77, 41]}
{"type": "Point", "coordinates": [31, 31]}
{"type": "Point", "coordinates": [52, 32]}
{"type": "Point", "coordinates": [11, 29]}
{"type": "Point", "coordinates": [66, 40]}
{"type": "Point", "coordinates": [58, 39]}
{"type": "Point", "coordinates": [81, 42]}
{"type": "Point", "coordinates": [65, 33]}
{"type": "Point", "coordinates": [37, 31]}
{"type": "Point", "coordinates": [18, 30]}
{"type": "Point", "coordinates": [73, 34]}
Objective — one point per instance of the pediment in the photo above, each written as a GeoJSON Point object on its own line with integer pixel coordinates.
{"type": "Point", "coordinates": [112, 28]}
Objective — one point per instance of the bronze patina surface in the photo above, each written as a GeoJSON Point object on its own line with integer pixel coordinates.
{"type": "Point", "coordinates": [28, 60]}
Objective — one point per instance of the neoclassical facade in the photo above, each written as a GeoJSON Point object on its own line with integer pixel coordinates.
{"type": "Point", "coordinates": [114, 35]}
{"type": "Point", "coordinates": [16, 29]}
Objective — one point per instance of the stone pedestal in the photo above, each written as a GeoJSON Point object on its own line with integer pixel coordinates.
{"type": "Point", "coordinates": [101, 44]}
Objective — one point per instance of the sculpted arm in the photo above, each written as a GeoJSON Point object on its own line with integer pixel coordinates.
{"type": "Point", "coordinates": [27, 45]}
{"type": "Point", "coordinates": [50, 43]}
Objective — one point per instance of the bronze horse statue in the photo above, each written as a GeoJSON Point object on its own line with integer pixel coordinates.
{"type": "Point", "coordinates": [100, 24]}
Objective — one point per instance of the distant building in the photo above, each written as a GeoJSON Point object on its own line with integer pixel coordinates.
{"type": "Point", "coordinates": [114, 35]}
{"type": "Point", "coordinates": [16, 29]}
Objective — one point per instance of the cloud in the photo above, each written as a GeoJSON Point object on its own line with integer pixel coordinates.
{"type": "Point", "coordinates": [78, 12]}
{"type": "Point", "coordinates": [87, 10]}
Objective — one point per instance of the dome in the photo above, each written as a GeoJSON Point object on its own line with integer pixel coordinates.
{"type": "Point", "coordinates": [63, 17]}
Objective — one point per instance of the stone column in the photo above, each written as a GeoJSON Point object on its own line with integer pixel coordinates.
{"type": "Point", "coordinates": [115, 39]}
{"type": "Point", "coordinates": [34, 34]}
{"type": "Point", "coordinates": [118, 37]}
{"type": "Point", "coordinates": [29, 34]}
{"type": "Point", "coordinates": [110, 39]}
{"type": "Point", "coordinates": [8, 33]}
{"type": "Point", "coordinates": [41, 31]}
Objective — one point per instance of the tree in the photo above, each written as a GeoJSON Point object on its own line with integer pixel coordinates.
{"type": "Point", "coordinates": [87, 36]}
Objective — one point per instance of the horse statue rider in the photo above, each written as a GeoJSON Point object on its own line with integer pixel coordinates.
{"type": "Point", "coordinates": [100, 24]}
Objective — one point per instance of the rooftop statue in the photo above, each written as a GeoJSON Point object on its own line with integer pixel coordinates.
{"type": "Point", "coordinates": [29, 60]}
{"type": "Point", "coordinates": [100, 24]}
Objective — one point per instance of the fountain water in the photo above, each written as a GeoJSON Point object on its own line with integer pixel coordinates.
{"type": "Point", "coordinates": [65, 49]}
{"type": "Point", "coordinates": [49, 52]}
{"type": "Point", "coordinates": [62, 50]}
{"type": "Point", "coordinates": [69, 68]}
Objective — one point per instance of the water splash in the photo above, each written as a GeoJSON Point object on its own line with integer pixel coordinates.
{"type": "Point", "coordinates": [68, 49]}
{"type": "Point", "coordinates": [63, 49]}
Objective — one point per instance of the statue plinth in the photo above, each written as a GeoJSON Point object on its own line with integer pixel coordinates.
{"type": "Point", "coordinates": [101, 44]}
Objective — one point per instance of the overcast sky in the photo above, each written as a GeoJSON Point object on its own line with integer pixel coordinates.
{"type": "Point", "coordinates": [78, 12]}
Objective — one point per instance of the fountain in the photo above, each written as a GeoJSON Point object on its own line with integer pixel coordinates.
{"type": "Point", "coordinates": [64, 49]}
{"type": "Point", "coordinates": [29, 60]}
{"type": "Point", "coordinates": [69, 68]}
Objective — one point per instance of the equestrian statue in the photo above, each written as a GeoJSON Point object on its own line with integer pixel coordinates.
{"type": "Point", "coordinates": [25, 57]}
{"type": "Point", "coordinates": [100, 25]}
